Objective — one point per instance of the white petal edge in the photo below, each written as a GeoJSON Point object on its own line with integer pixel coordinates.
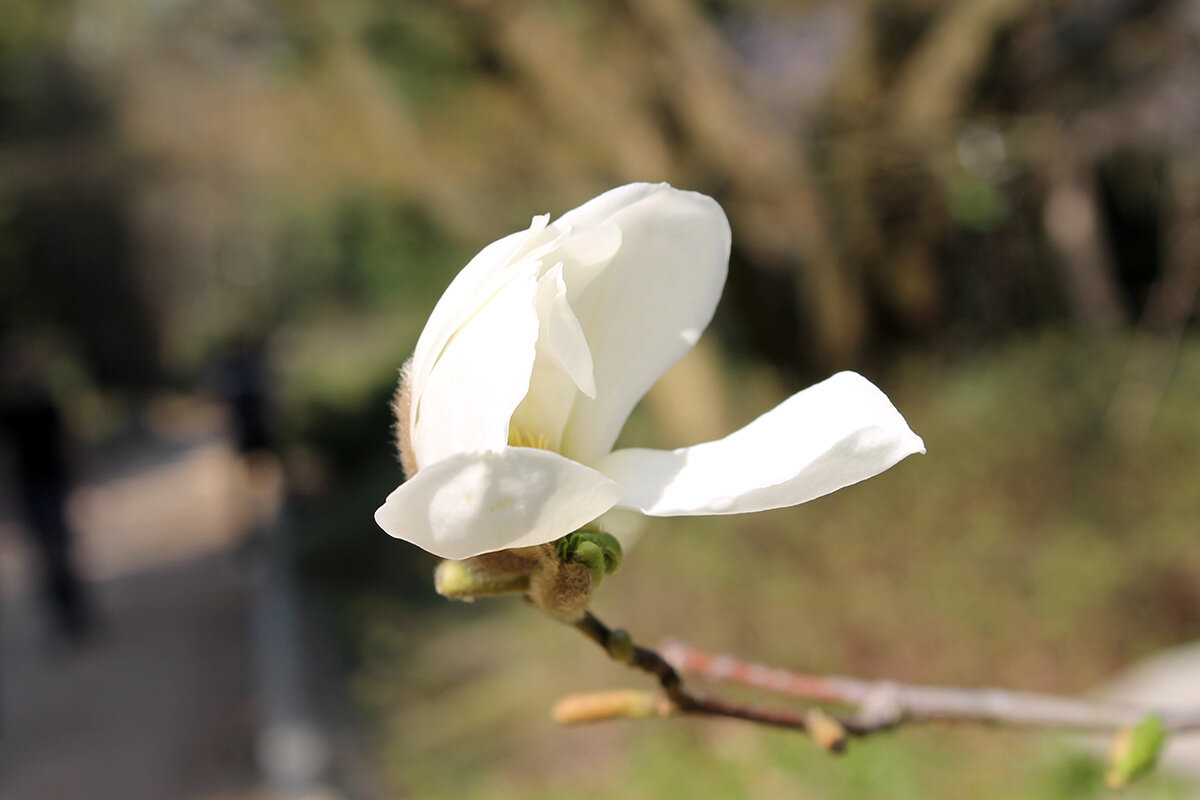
{"type": "Point", "coordinates": [831, 435]}
{"type": "Point", "coordinates": [480, 377]}
{"type": "Point", "coordinates": [562, 368]}
{"type": "Point", "coordinates": [603, 206]}
{"type": "Point", "coordinates": [646, 308]}
{"type": "Point", "coordinates": [564, 336]}
{"type": "Point", "coordinates": [471, 288]}
{"type": "Point", "coordinates": [473, 503]}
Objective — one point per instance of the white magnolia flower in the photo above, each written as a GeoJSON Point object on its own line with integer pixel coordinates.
{"type": "Point", "coordinates": [536, 354]}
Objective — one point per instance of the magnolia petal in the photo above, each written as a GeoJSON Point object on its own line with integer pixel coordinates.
{"type": "Point", "coordinates": [601, 208]}
{"type": "Point", "coordinates": [564, 335]}
{"type": "Point", "coordinates": [472, 503]}
{"type": "Point", "coordinates": [562, 369]}
{"type": "Point", "coordinates": [469, 290]}
{"type": "Point", "coordinates": [585, 252]}
{"type": "Point", "coordinates": [649, 304]}
{"type": "Point", "coordinates": [481, 375]}
{"type": "Point", "coordinates": [836, 433]}
{"type": "Point", "coordinates": [590, 244]}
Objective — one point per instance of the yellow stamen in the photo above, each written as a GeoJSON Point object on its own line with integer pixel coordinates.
{"type": "Point", "coordinates": [520, 438]}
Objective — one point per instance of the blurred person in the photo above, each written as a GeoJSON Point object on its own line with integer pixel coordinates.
{"type": "Point", "coordinates": [33, 427]}
{"type": "Point", "coordinates": [242, 380]}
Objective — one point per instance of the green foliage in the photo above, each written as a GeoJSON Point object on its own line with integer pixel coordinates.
{"type": "Point", "coordinates": [371, 251]}
{"type": "Point", "coordinates": [977, 203]}
{"type": "Point", "coordinates": [422, 47]}
{"type": "Point", "coordinates": [24, 26]}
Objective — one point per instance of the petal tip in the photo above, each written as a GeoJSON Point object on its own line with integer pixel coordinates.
{"type": "Point", "coordinates": [385, 524]}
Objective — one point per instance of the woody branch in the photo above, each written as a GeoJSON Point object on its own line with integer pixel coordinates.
{"type": "Point", "coordinates": [875, 705]}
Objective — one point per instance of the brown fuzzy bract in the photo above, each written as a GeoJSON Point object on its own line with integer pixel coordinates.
{"type": "Point", "coordinates": [402, 428]}
{"type": "Point", "coordinates": [562, 590]}
{"type": "Point", "coordinates": [504, 563]}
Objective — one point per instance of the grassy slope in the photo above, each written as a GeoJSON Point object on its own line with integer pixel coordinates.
{"type": "Point", "coordinates": [1029, 549]}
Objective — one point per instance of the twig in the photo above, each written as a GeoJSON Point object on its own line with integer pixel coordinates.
{"type": "Point", "coordinates": [878, 705]}
{"type": "Point", "coordinates": [881, 701]}
{"type": "Point", "coordinates": [829, 731]}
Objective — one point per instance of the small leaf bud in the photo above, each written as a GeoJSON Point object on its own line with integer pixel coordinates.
{"type": "Point", "coordinates": [1135, 752]}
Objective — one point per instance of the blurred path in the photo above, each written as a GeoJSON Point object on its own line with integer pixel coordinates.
{"type": "Point", "coordinates": [159, 705]}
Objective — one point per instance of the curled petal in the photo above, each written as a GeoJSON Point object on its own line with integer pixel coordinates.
{"type": "Point", "coordinates": [644, 308]}
{"type": "Point", "coordinates": [470, 289]}
{"type": "Point", "coordinates": [466, 402]}
{"type": "Point", "coordinates": [563, 334]}
{"type": "Point", "coordinates": [562, 369]}
{"type": "Point", "coordinates": [836, 433]}
{"type": "Point", "coordinates": [473, 503]}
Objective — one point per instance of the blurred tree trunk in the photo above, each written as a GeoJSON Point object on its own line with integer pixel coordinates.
{"type": "Point", "coordinates": [1073, 225]}
{"type": "Point", "coordinates": [938, 80]}
{"type": "Point", "coordinates": [771, 195]}
{"type": "Point", "coordinates": [1172, 302]}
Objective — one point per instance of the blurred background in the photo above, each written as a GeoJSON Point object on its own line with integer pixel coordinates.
{"type": "Point", "coordinates": [223, 224]}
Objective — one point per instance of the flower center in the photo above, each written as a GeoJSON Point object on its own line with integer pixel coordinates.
{"type": "Point", "coordinates": [520, 438]}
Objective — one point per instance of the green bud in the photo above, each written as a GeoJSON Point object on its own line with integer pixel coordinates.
{"type": "Point", "coordinates": [457, 580]}
{"type": "Point", "coordinates": [1135, 751]}
{"type": "Point", "coordinates": [591, 556]}
{"type": "Point", "coordinates": [600, 552]}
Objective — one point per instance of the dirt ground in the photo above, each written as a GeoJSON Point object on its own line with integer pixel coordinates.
{"type": "Point", "coordinates": [158, 704]}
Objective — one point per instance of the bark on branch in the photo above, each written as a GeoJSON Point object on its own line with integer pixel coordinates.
{"type": "Point", "coordinates": [907, 703]}
{"type": "Point", "coordinates": [876, 705]}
